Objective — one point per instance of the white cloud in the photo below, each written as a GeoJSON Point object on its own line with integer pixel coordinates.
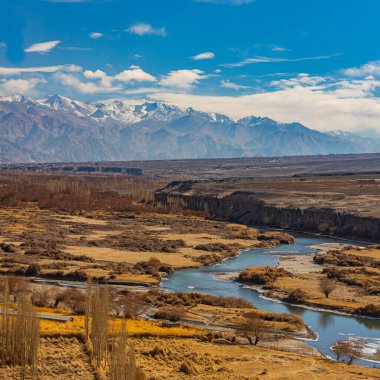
{"type": "Point", "coordinates": [231, 85]}
{"type": "Point", "coordinates": [300, 80]}
{"type": "Point", "coordinates": [42, 47]}
{"type": "Point", "coordinates": [135, 74]}
{"type": "Point", "coordinates": [184, 79]}
{"type": "Point", "coordinates": [201, 56]}
{"type": "Point", "coordinates": [95, 35]}
{"type": "Point", "coordinates": [75, 82]}
{"type": "Point", "coordinates": [20, 86]}
{"type": "Point", "coordinates": [105, 80]}
{"type": "Point", "coordinates": [143, 29]}
{"type": "Point", "coordinates": [319, 110]}
{"type": "Point", "coordinates": [370, 68]}
{"type": "Point", "coordinates": [280, 49]}
{"type": "Point", "coordinates": [249, 61]}
{"type": "Point", "coordinates": [9, 71]}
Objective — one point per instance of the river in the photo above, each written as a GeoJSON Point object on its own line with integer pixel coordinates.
{"type": "Point", "coordinates": [329, 326]}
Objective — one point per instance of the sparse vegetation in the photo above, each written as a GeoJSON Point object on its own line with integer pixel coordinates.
{"type": "Point", "coordinates": [347, 349]}
{"type": "Point", "coordinates": [327, 286]}
{"type": "Point", "coordinates": [296, 296]}
{"type": "Point", "coordinates": [262, 275]}
{"type": "Point", "coordinates": [19, 335]}
{"type": "Point", "coordinates": [253, 329]}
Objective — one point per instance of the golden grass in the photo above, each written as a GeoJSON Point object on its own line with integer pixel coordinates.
{"type": "Point", "coordinates": [134, 326]}
{"type": "Point", "coordinates": [233, 362]}
{"type": "Point", "coordinates": [373, 253]}
{"type": "Point", "coordinates": [343, 296]}
{"type": "Point", "coordinates": [130, 257]}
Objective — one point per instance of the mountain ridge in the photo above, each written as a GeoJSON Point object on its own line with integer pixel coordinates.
{"type": "Point", "coordinates": [59, 129]}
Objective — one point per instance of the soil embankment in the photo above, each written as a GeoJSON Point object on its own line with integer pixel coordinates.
{"type": "Point", "coordinates": [289, 212]}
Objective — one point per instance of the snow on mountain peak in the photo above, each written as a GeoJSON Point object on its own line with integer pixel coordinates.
{"type": "Point", "coordinates": [13, 98]}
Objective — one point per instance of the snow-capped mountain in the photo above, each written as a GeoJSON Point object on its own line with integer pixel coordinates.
{"type": "Point", "coordinates": [60, 129]}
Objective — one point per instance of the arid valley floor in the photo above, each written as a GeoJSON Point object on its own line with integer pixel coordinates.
{"type": "Point", "coordinates": [61, 231]}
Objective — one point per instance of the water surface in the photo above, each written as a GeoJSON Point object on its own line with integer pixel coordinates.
{"type": "Point", "coordinates": [328, 325]}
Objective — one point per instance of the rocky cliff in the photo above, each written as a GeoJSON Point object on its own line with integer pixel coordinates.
{"type": "Point", "coordinates": [246, 208]}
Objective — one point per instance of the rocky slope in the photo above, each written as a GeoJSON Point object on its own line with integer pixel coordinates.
{"type": "Point", "coordinates": [58, 129]}
{"type": "Point", "coordinates": [247, 208]}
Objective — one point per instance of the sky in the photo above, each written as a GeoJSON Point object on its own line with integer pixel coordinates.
{"type": "Point", "coordinates": [316, 62]}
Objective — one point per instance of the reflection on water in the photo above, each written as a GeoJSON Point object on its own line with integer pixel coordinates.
{"type": "Point", "coordinates": [325, 320]}
{"type": "Point", "coordinates": [329, 326]}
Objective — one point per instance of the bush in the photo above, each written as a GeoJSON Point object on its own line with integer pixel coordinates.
{"type": "Point", "coordinates": [41, 298]}
{"type": "Point", "coordinates": [153, 267]}
{"type": "Point", "coordinates": [33, 270]}
{"type": "Point", "coordinates": [296, 296]}
{"type": "Point", "coordinates": [158, 298]}
{"type": "Point", "coordinates": [370, 310]}
{"type": "Point", "coordinates": [262, 275]}
{"type": "Point", "coordinates": [172, 314]}
{"type": "Point", "coordinates": [188, 368]}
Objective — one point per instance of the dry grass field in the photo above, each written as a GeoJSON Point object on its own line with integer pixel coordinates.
{"type": "Point", "coordinates": [115, 247]}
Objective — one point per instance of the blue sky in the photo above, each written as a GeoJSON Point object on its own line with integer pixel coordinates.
{"type": "Point", "coordinates": [316, 62]}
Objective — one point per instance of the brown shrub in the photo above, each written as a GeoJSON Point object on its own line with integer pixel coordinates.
{"type": "Point", "coordinates": [296, 296]}
{"type": "Point", "coordinates": [370, 310]}
{"type": "Point", "coordinates": [262, 275]}
{"type": "Point", "coordinates": [172, 314]}
{"type": "Point", "coordinates": [159, 298]}
{"type": "Point", "coordinates": [152, 267]}
{"type": "Point", "coordinates": [41, 298]}
{"type": "Point", "coordinates": [188, 368]}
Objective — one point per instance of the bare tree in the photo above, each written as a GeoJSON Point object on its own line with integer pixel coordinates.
{"type": "Point", "coordinates": [58, 297]}
{"type": "Point", "coordinates": [122, 359]}
{"type": "Point", "coordinates": [327, 286]}
{"type": "Point", "coordinates": [75, 299]}
{"type": "Point", "coordinates": [345, 348]}
{"type": "Point", "coordinates": [17, 286]}
{"type": "Point", "coordinates": [130, 305]}
{"type": "Point", "coordinates": [20, 332]}
{"type": "Point", "coordinates": [97, 322]}
{"type": "Point", "coordinates": [253, 329]}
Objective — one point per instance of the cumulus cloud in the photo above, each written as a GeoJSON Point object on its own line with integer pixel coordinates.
{"type": "Point", "coordinates": [317, 109]}
{"type": "Point", "coordinates": [201, 56]}
{"type": "Point", "coordinates": [95, 35]}
{"type": "Point", "coordinates": [135, 74]}
{"type": "Point", "coordinates": [71, 80]}
{"type": "Point", "coordinates": [20, 86]}
{"type": "Point", "coordinates": [143, 29]}
{"type": "Point", "coordinates": [42, 47]}
{"type": "Point", "coordinates": [370, 68]}
{"type": "Point", "coordinates": [105, 80]}
{"type": "Point", "coordinates": [98, 81]}
{"type": "Point", "coordinates": [184, 79]}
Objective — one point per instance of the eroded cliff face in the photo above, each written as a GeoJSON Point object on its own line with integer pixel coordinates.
{"type": "Point", "coordinates": [246, 208]}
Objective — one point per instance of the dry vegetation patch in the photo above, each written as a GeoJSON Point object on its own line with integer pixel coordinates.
{"type": "Point", "coordinates": [168, 359]}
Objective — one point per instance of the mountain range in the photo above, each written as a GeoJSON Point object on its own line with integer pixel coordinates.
{"type": "Point", "coordinates": [58, 129]}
